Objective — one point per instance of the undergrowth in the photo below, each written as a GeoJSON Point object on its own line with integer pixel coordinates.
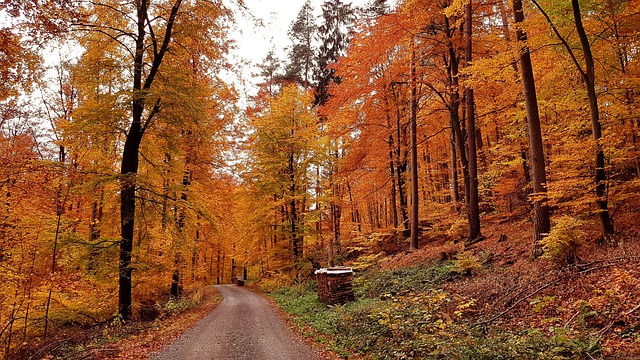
{"type": "Point", "coordinates": [405, 314]}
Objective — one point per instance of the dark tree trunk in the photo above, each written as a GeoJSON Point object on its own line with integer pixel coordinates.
{"type": "Point", "coordinates": [175, 284]}
{"type": "Point", "coordinates": [401, 169]}
{"type": "Point", "coordinates": [454, 110]}
{"type": "Point", "coordinates": [129, 166]}
{"type": "Point", "coordinates": [589, 77]}
{"type": "Point", "coordinates": [473, 206]}
{"type": "Point", "coordinates": [392, 170]}
{"type": "Point", "coordinates": [541, 224]}
{"type": "Point", "coordinates": [414, 153]}
{"type": "Point", "coordinates": [453, 174]}
{"type": "Point", "coordinates": [295, 238]}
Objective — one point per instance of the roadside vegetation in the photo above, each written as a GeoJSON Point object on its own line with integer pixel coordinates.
{"type": "Point", "coordinates": [445, 302]}
{"type": "Point", "coordinates": [157, 325]}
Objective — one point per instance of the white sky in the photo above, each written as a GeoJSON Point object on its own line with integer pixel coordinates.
{"type": "Point", "coordinates": [255, 41]}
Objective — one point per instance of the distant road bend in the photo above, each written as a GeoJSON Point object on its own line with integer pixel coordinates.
{"type": "Point", "coordinates": [243, 326]}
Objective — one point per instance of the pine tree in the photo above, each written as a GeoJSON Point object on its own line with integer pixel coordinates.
{"type": "Point", "coordinates": [337, 19]}
{"type": "Point", "coordinates": [301, 52]}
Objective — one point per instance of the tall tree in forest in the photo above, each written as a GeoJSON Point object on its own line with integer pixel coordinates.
{"type": "Point", "coordinates": [413, 244]}
{"type": "Point", "coordinates": [301, 52]}
{"type": "Point", "coordinates": [587, 72]}
{"type": "Point", "coordinates": [149, 47]}
{"type": "Point", "coordinates": [285, 146]}
{"type": "Point", "coordinates": [142, 82]}
{"type": "Point", "coordinates": [541, 224]}
{"type": "Point", "coordinates": [269, 69]}
{"type": "Point", "coordinates": [473, 209]}
{"type": "Point", "coordinates": [337, 19]}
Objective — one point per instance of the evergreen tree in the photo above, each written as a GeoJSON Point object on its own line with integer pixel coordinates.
{"type": "Point", "coordinates": [301, 52]}
{"type": "Point", "coordinates": [337, 21]}
{"type": "Point", "coordinates": [269, 69]}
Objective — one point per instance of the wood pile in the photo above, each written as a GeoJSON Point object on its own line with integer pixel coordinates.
{"type": "Point", "coordinates": [334, 285]}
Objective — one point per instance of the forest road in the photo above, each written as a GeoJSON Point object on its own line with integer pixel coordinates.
{"type": "Point", "coordinates": [243, 326]}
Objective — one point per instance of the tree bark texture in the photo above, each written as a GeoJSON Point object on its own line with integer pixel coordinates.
{"type": "Point", "coordinates": [541, 224]}
{"type": "Point", "coordinates": [589, 77]}
{"type": "Point", "coordinates": [414, 152]}
{"type": "Point", "coordinates": [473, 205]}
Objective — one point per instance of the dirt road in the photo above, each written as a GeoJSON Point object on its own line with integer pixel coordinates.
{"type": "Point", "coordinates": [243, 326]}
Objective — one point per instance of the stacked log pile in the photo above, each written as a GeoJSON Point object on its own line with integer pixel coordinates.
{"type": "Point", "coordinates": [334, 285]}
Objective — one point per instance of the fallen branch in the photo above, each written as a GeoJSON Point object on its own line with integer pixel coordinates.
{"type": "Point", "coordinates": [515, 304]}
{"type": "Point", "coordinates": [632, 310]}
{"type": "Point", "coordinates": [608, 263]}
{"type": "Point", "coordinates": [606, 329]}
{"type": "Point", "coordinates": [571, 318]}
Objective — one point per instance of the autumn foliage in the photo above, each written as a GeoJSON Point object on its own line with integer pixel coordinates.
{"type": "Point", "coordinates": [317, 168]}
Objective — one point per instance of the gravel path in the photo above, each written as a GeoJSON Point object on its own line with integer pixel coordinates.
{"type": "Point", "coordinates": [243, 326]}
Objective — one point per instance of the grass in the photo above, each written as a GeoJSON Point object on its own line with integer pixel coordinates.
{"type": "Point", "coordinates": [405, 314]}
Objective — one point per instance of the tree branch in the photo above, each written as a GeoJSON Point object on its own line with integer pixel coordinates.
{"type": "Point", "coordinates": [561, 38]}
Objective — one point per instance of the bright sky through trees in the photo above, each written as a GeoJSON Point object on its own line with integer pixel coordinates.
{"type": "Point", "coordinates": [265, 27]}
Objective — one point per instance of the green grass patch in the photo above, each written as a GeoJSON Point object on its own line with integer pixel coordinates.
{"type": "Point", "coordinates": [404, 314]}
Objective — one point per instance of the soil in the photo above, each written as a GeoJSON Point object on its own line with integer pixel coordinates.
{"type": "Point", "coordinates": [243, 326]}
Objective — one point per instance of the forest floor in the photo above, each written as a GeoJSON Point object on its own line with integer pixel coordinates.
{"type": "Point", "coordinates": [486, 300]}
{"type": "Point", "coordinates": [136, 340]}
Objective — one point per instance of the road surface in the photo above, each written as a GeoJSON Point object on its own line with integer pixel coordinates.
{"type": "Point", "coordinates": [243, 326]}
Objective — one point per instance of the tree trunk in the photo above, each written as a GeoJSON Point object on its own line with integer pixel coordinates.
{"type": "Point", "coordinates": [129, 166]}
{"type": "Point", "coordinates": [414, 152]}
{"type": "Point", "coordinates": [401, 168]}
{"type": "Point", "coordinates": [541, 224]}
{"type": "Point", "coordinates": [473, 206]}
{"type": "Point", "coordinates": [295, 239]}
{"type": "Point", "coordinates": [454, 111]}
{"type": "Point", "coordinates": [453, 175]}
{"type": "Point", "coordinates": [589, 77]}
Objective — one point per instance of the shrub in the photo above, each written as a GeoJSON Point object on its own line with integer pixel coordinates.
{"type": "Point", "coordinates": [466, 264]}
{"type": "Point", "coordinates": [562, 243]}
{"type": "Point", "coordinates": [459, 229]}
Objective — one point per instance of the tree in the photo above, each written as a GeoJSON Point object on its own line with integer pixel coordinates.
{"type": "Point", "coordinates": [149, 48]}
{"type": "Point", "coordinates": [473, 210]}
{"type": "Point", "coordinates": [142, 83]}
{"type": "Point", "coordinates": [337, 19]}
{"type": "Point", "coordinates": [541, 224]}
{"type": "Point", "coordinates": [588, 75]}
{"type": "Point", "coordinates": [413, 245]}
{"type": "Point", "coordinates": [284, 148]}
{"type": "Point", "coordinates": [301, 52]}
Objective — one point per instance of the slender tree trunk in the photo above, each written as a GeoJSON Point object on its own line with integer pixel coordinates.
{"type": "Point", "coordinates": [393, 193]}
{"type": "Point", "coordinates": [295, 239]}
{"type": "Point", "coordinates": [589, 77]}
{"type": "Point", "coordinates": [453, 175]}
{"type": "Point", "coordinates": [454, 111]}
{"type": "Point", "coordinates": [414, 152]}
{"type": "Point", "coordinates": [401, 168]}
{"type": "Point", "coordinates": [392, 170]}
{"type": "Point", "coordinates": [541, 224]}
{"type": "Point", "coordinates": [218, 263]}
{"type": "Point", "coordinates": [473, 206]}
{"type": "Point", "coordinates": [61, 202]}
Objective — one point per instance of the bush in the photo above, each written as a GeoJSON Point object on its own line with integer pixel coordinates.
{"type": "Point", "coordinates": [561, 245]}
{"type": "Point", "coordinates": [459, 229]}
{"type": "Point", "coordinates": [466, 264]}
{"type": "Point", "coordinates": [274, 282]}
